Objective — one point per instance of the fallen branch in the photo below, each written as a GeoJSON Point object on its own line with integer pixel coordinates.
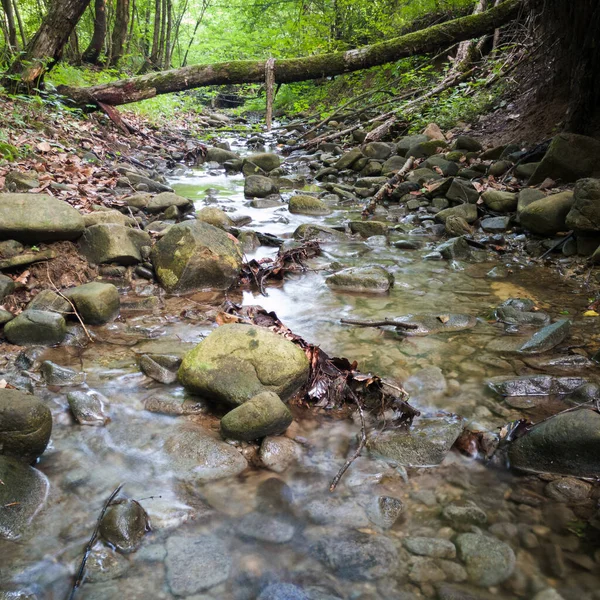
{"type": "Point", "coordinates": [387, 188]}
{"type": "Point", "coordinates": [385, 322]}
{"type": "Point", "coordinates": [92, 541]}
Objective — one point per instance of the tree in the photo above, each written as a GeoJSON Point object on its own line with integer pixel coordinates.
{"type": "Point", "coordinates": [296, 69]}
{"type": "Point", "coordinates": [93, 51]}
{"type": "Point", "coordinates": [46, 46]}
{"type": "Point", "coordinates": [120, 29]}
{"type": "Point", "coordinates": [12, 29]}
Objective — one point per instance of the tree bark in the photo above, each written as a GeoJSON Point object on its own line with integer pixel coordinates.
{"type": "Point", "coordinates": [93, 51]}
{"type": "Point", "coordinates": [295, 69]}
{"type": "Point", "coordinates": [120, 29]}
{"type": "Point", "coordinates": [156, 33]}
{"type": "Point", "coordinates": [12, 29]}
{"type": "Point", "coordinates": [20, 22]}
{"type": "Point", "coordinates": [46, 46]}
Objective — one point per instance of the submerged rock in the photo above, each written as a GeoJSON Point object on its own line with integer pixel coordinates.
{"type": "Point", "coordinates": [278, 453]}
{"type": "Point", "coordinates": [236, 362]}
{"type": "Point", "coordinates": [430, 324]}
{"type": "Point", "coordinates": [124, 525]}
{"type": "Point", "coordinates": [488, 560]}
{"type": "Point", "coordinates": [195, 455]}
{"type": "Point", "coordinates": [535, 385]}
{"type": "Point", "coordinates": [547, 338]}
{"type": "Point", "coordinates": [424, 445]}
{"type": "Point", "coordinates": [36, 327]}
{"type": "Point", "coordinates": [361, 279]}
{"type": "Point", "coordinates": [566, 444]}
{"type": "Point", "coordinates": [284, 591]}
{"type": "Point", "coordinates": [195, 564]}
{"type": "Point", "coordinates": [25, 425]}
{"type": "Point", "coordinates": [310, 231]}
{"type": "Point", "coordinates": [433, 547]}
{"type": "Point", "coordinates": [266, 528]}
{"type": "Point", "coordinates": [22, 495]}
{"type": "Point", "coordinates": [264, 414]}
{"type": "Point", "coordinates": [308, 205]}
{"type": "Point", "coordinates": [97, 303]}
{"type": "Point", "coordinates": [160, 367]}
{"type": "Point", "coordinates": [88, 408]}
{"type": "Point", "coordinates": [196, 256]}
{"type": "Point", "coordinates": [36, 218]}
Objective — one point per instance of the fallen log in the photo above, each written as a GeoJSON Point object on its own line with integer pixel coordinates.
{"type": "Point", "coordinates": [291, 70]}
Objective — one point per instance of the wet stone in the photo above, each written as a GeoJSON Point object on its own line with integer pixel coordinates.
{"type": "Point", "coordinates": [488, 561]}
{"type": "Point", "coordinates": [57, 375]}
{"type": "Point", "coordinates": [283, 591]}
{"type": "Point", "coordinates": [535, 385]}
{"type": "Point", "coordinates": [88, 408]}
{"type": "Point", "coordinates": [160, 367]}
{"type": "Point", "coordinates": [384, 511]}
{"type": "Point", "coordinates": [36, 327]}
{"type": "Point", "coordinates": [336, 511]}
{"type": "Point", "coordinates": [104, 564]}
{"type": "Point", "coordinates": [277, 453]}
{"type": "Point", "coordinates": [425, 570]}
{"type": "Point", "coordinates": [374, 279]}
{"type": "Point", "coordinates": [432, 547]}
{"type": "Point", "coordinates": [547, 338]}
{"type": "Point", "coordinates": [266, 528]}
{"type": "Point", "coordinates": [455, 248]}
{"type": "Point", "coordinates": [568, 489]}
{"type": "Point", "coordinates": [196, 564]}
{"type": "Point", "coordinates": [368, 228]}
{"type": "Point", "coordinates": [460, 516]}
{"type": "Point", "coordinates": [124, 525]}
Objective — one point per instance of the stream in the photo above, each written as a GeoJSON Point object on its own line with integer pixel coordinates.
{"type": "Point", "coordinates": [284, 536]}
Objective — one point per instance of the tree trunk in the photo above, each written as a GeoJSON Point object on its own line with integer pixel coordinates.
{"type": "Point", "coordinates": [156, 33]}
{"type": "Point", "coordinates": [205, 5]}
{"type": "Point", "coordinates": [161, 43]}
{"type": "Point", "coordinates": [20, 22]}
{"type": "Point", "coordinates": [120, 29]}
{"type": "Point", "coordinates": [296, 69]}
{"type": "Point", "coordinates": [168, 34]}
{"type": "Point", "coordinates": [93, 51]}
{"type": "Point", "coordinates": [464, 55]}
{"type": "Point", "coordinates": [12, 29]}
{"type": "Point", "coordinates": [46, 46]}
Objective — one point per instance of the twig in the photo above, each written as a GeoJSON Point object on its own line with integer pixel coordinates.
{"type": "Point", "coordinates": [92, 540]}
{"type": "Point", "coordinates": [87, 333]}
{"type": "Point", "coordinates": [554, 246]}
{"type": "Point", "coordinates": [388, 187]}
{"type": "Point", "coordinates": [361, 445]}
{"type": "Point", "coordinates": [397, 324]}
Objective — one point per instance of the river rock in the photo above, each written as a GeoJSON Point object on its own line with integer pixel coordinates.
{"type": "Point", "coordinates": [464, 142]}
{"type": "Point", "coordinates": [36, 327]}
{"type": "Point", "coordinates": [111, 242]}
{"type": "Point", "coordinates": [258, 186]}
{"type": "Point", "coordinates": [214, 216]}
{"type": "Point", "coordinates": [547, 338]}
{"type": "Point", "coordinates": [548, 215]}
{"type": "Point", "coordinates": [384, 511]}
{"type": "Point", "coordinates": [462, 191]}
{"type": "Point", "coordinates": [455, 248]}
{"type": "Point", "coordinates": [535, 385]}
{"type": "Point", "coordinates": [166, 200]}
{"type": "Point", "coordinates": [433, 547]}
{"type": "Point", "coordinates": [196, 256]}
{"type": "Point", "coordinates": [348, 159]}
{"type": "Point", "coordinates": [367, 229]}
{"type": "Point", "coordinates": [97, 303]}
{"type": "Point", "coordinates": [310, 231]}
{"type": "Point", "coordinates": [467, 211]}
{"type": "Point", "coordinates": [488, 560]}
{"type": "Point", "coordinates": [195, 455]}
{"type": "Point", "coordinates": [124, 525]}
{"type": "Point", "coordinates": [21, 182]}
{"type": "Point", "coordinates": [308, 205]}
{"type": "Point", "coordinates": [431, 324]}
{"type": "Point", "coordinates": [584, 215]}
{"type": "Point", "coordinates": [265, 203]}
{"type": "Point", "coordinates": [566, 444]}
{"type": "Point", "coordinates": [404, 143]}
{"type": "Point", "coordinates": [25, 425]}
{"type": "Point", "coordinates": [220, 155]}
{"type": "Point", "coordinates": [236, 362]}
{"type": "Point", "coordinates": [160, 367]}
{"type": "Point", "coordinates": [267, 161]}
{"type": "Point", "coordinates": [98, 217]}
{"type": "Point", "coordinates": [377, 150]}
{"type": "Point", "coordinates": [361, 279]}
{"type": "Point", "coordinates": [499, 201]}
{"type": "Point", "coordinates": [569, 158]}
{"type": "Point", "coordinates": [568, 489]}
{"type": "Point", "coordinates": [88, 408]}
{"type": "Point", "coordinates": [354, 555]}
{"type": "Point", "coordinates": [266, 528]}
{"type": "Point", "coordinates": [425, 149]}
{"type": "Point", "coordinates": [104, 564]}
{"type": "Point", "coordinates": [22, 495]}
{"type": "Point", "coordinates": [7, 286]}
{"type": "Point", "coordinates": [512, 316]}
{"type": "Point", "coordinates": [58, 375]}
{"type": "Point", "coordinates": [195, 564]}
{"type": "Point", "coordinates": [331, 510]}
{"type": "Point", "coordinates": [526, 197]}
{"type": "Point", "coordinates": [495, 224]}
{"type": "Point", "coordinates": [262, 415]}
{"type": "Point", "coordinates": [464, 515]}
{"type": "Point", "coordinates": [424, 445]}
{"type": "Point", "coordinates": [278, 453]}
{"type": "Point", "coordinates": [34, 218]}
{"type": "Point", "coordinates": [284, 591]}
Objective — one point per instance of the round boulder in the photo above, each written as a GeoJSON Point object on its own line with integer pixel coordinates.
{"type": "Point", "coordinates": [25, 425]}
{"type": "Point", "coordinates": [236, 362]}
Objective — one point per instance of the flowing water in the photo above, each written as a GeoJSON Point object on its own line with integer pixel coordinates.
{"type": "Point", "coordinates": [261, 527]}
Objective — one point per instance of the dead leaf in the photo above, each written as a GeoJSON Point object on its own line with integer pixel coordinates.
{"type": "Point", "coordinates": [43, 147]}
{"type": "Point", "coordinates": [444, 318]}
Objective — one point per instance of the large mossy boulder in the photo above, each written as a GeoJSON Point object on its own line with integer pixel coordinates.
{"type": "Point", "coordinates": [547, 216]}
{"type": "Point", "coordinates": [97, 303]}
{"type": "Point", "coordinates": [566, 444]}
{"type": "Point", "coordinates": [111, 242]}
{"type": "Point", "coordinates": [569, 158]}
{"type": "Point", "coordinates": [584, 215]}
{"type": "Point", "coordinates": [22, 494]}
{"type": "Point", "coordinates": [308, 205]}
{"type": "Point", "coordinates": [264, 414]}
{"type": "Point", "coordinates": [196, 256]}
{"type": "Point", "coordinates": [36, 328]}
{"type": "Point", "coordinates": [236, 362]}
{"type": "Point", "coordinates": [500, 201]}
{"type": "Point", "coordinates": [25, 425]}
{"type": "Point", "coordinates": [34, 218]}
{"type": "Point", "coordinates": [266, 161]}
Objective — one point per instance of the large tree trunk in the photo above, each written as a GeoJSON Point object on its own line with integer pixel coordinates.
{"type": "Point", "coordinates": [93, 51]}
{"type": "Point", "coordinates": [46, 46]}
{"type": "Point", "coordinates": [120, 29]}
{"type": "Point", "coordinates": [296, 69]}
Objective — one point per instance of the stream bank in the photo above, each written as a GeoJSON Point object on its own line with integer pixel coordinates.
{"type": "Point", "coordinates": [248, 520]}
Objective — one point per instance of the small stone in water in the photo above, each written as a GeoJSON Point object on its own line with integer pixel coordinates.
{"type": "Point", "coordinates": [265, 528]}
{"type": "Point", "coordinates": [88, 408]}
{"type": "Point", "coordinates": [277, 453]}
{"type": "Point", "coordinates": [124, 525]}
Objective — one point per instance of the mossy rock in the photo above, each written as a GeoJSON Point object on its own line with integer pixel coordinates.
{"type": "Point", "coordinates": [196, 256]}
{"type": "Point", "coordinates": [267, 161]}
{"type": "Point", "coordinates": [308, 205]}
{"type": "Point", "coordinates": [368, 229]}
{"type": "Point", "coordinates": [310, 231]}
{"type": "Point", "coordinates": [214, 216]}
{"type": "Point", "coordinates": [36, 327]}
{"type": "Point", "coordinates": [499, 201]}
{"type": "Point", "coordinates": [166, 200]}
{"type": "Point", "coordinates": [467, 211]}
{"type": "Point", "coordinates": [548, 216]}
{"type": "Point", "coordinates": [96, 303]}
{"type": "Point", "coordinates": [426, 149]}
{"type": "Point", "coordinates": [111, 242]}
{"type": "Point", "coordinates": [373, 279]}
{"type": "Point", "coordinates": [236, 362]}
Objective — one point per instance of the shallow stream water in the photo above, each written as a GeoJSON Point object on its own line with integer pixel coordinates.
{"type": "Point", "coordinates": [246, 550]}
